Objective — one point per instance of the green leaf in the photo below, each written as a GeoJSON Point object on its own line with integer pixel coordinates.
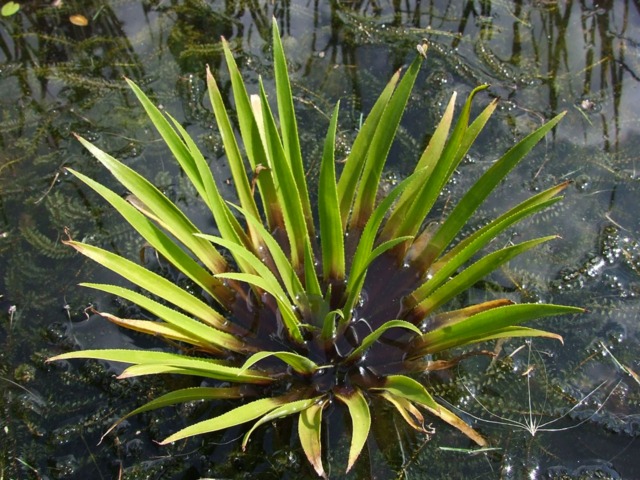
{"type": "Point", "coordinates": [413, 213]}
{"type": "Point", "coordinates": [225, 221]}
{"type": "Point", "coordinates": [153, 283]}
{"type": "Point", "coordinates": [407, 410]}
{"type": "Point", "coordinates": [427, 162]}
{"type": "Point", "coordinates": [288, 125]}
{"type": "Point", "coordinates": [329, 325]}
{"type": "Point", "coordinates": [249, 129]}
{"type": "Point", "coordinates": [232, 150]}
{"type": "Point", "coordinates": [237, 416]}
{"type": "Point", "coordinates": [288, 276]}
{"type": "Point", "coordinates": [147, 358]}
{"type": "Point", "coordinates": [438, 290]}
{"type": "Point", "coordinates": [484, 324]}
{"type": "Point", "coordinates": [265, 279]}
{"type": "Point", "coordinates": [406, 387]}
{"type": "Point", "coordinates": [183, 395]}
{"type": "Point", "coordinates": [165, 246]}
{"type": "Point", "coordinates": [289, 197]}
{"type": "Point", "coordinates": [360, 421]}
{"type": "Point", "coordinates": [512, 332]}
{"type": "Point", "coordinates": [469, 246]}
{"type": "Point", "coordinates": [444, 319]}
{"type": "Point", "coordinates": [364, 254]}
{"type": "Point", "coordinates": [285, 410]}
{"type": "Point", "coordinates": [299, 363]}
{"type": "Point", "coordinates": [203, 334]}
{"type": "Point", "coordinates": [357, 156]}
{"type": "Point", "coordinates": [162, 209]}
{"type": "Point", "coordinates": [373, 336]}
{"type": "Point", "coordinates": [9, 8]}
{"type": "Point", "coordinates": [193, 163]}
{"type": "Point", "coordinates": [480, 190]}
{"type": "Point", "coordinates": [309, 431]}
{"type": "Point", "coordinates": [331, 234]}
{"type": "Point", "coordinates": [311, 281]}
{"type": "Point", "coordinates": [165, 330]}
{"type": "Point", "coordinates": [379, 146]}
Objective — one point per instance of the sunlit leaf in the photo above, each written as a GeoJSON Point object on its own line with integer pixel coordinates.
{"type": "Point", "coordinates": [289, 408]}
{"type": "Point", "coordinates": [407, 410]}
{"type": "Point", "coordinates": [484, 324]}
{"type": "Point", "coordinates": [288, 125]}
{"type": "Point", "coordinates": [455, 421]}
{"type": "Point", "coordinates": [9, 8]}
{"type": "Point", "coordinates": [406, 387]}
{"type": "Point", "coordinates": [331, 234]}
{"type": "Point", "coordinates": [439, 289]}
{"type": "Point", "coordinates": [375, 335]}
{"type": "Point", "coordinates": [360, 421]}
{"type": "Point", "coordinates": [309, 431]}
{"type": "Point", "coordinates": [148, 358]}
{"type": "Point", "coordinates": [299, 363]}
{"type": "Point", "coordinates": [236, 416]}
{"type": "Point", "coordinates": [379, 145]}
{"type": "Point", "coordinates": [152, 282]}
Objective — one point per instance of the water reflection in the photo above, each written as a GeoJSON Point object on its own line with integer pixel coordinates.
{"type": "Point", "coordinates": [540, 57]}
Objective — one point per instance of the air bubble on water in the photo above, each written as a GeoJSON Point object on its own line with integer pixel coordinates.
{"type": "Point", "coordinates": [583, 183]}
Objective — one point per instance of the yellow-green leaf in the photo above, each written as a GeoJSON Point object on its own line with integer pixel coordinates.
{"type": "Point", "coordinates": [309, 431]}
{"type": "Point", "coordinates": [360, 421]}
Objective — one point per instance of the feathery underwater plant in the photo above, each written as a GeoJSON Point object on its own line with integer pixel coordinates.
{"type": "Point", "coordinates": [281, 326]}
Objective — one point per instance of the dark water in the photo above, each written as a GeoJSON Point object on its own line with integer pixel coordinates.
{"type": "Point", "coordinates": [540, 57]}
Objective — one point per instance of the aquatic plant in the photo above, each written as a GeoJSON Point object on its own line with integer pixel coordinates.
{"type": "Point", "coordinates": [275, 313]}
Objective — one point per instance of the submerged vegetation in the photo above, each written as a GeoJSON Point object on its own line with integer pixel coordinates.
{"type": "Point", "coordinates": [290, 308]}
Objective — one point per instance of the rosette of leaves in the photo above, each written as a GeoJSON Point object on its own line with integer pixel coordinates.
{"type": "Point", "coordinates": [277, 320]}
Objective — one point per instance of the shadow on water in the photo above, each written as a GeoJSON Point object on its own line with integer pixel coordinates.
{"type": "Point", "coordinates": [539, 56]}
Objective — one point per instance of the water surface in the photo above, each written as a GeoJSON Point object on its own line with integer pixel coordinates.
{"type": "Point", "coordinates": [540, 57]}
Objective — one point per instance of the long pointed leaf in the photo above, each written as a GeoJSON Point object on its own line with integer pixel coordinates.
{"type": "Point", "coordinates": [299, 363]}
{"type": "Point", "coordinates": [288, 125]}
{"type": "Point", "coordinates": [198, 330]}
{"type": "Point", "coordinates": [162, 208]}
{"type": "Point", "coordinates": [153, 283]}
{"type": "Point", "coordinates": [487, 323]}
{"type": "Point", "coordinates": [143, 358]}
{"type": "Point", "coordinates": [285, 410]}
{"type": "Point", "coordinates": [379, 146]}
{"type": "Point", "coordinates": [480, 190]}
{"type": "Point", "coordinates": [438, 290]}
{"type": "Point", "coordinates": [407, 410]}
{"type": "Point", "coordinates": [406, 387]}
{"type": "Point", "coordinates": [253, 144]}
{"type": "Point", "coordinates": [237, 416]}
{"type": "Point", "coordinates": [290, 280]}
{"type": "Point", "coordinates": [468, 247]}
{"type": "Point", "coordinates": [414, 214]}
{"type": "Point", "coordinates": [289, 196]}
{"type": "Point", "coordinates": [427, 162]}
{"type": "Point", "coordinates": [181, 396]}
{"type": "Point", "coordinates": [157, 238]}
{"type": "Point", "coordinates": [360, 421]}
{"type": "Point", "coordinates": [373, 337]}
{"type": "Point", "coordinates": [355, 161]}
{"type": "Point", "coordinates": [364, 255]}
{"type": "Point", "coordinates": [309, 431]}
{"type": "Point", "coordinates": [331, 233]}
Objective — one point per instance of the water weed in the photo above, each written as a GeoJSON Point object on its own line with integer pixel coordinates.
{"type": "Point", "coordinates": [293, 307]}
